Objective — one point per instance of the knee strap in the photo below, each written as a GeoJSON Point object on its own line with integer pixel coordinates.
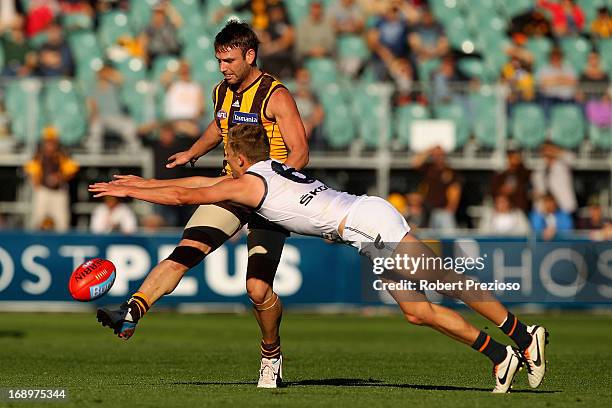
{"type": "Point", "coordinates": [213, 237]}
{"type": "Point", "coordinates": [187, 255]}
{"type": "Point", "coordinates": [266, 304]}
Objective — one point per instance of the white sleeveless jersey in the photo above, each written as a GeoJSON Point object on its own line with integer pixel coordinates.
{"type": "Point", "coordinates": [299, 203]}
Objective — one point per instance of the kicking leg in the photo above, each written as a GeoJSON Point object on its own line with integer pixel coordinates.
{"type": "Point", "coordinates": [209, 227]}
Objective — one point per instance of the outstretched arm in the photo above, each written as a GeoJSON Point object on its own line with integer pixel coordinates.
{"type": "Point", "coordinates": [247, 190]}
{"type": "Point", "coordinates": [190, 182]}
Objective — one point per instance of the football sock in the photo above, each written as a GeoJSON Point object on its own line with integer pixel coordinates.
{"type": "Point", "coordinates": [271, 351]}
{"type": "Point", "coordinates": [139, 305]}
{"type": "Point", "coordinates": [516, 330]}
{"type": "Point", "coordinates": [490, 348]}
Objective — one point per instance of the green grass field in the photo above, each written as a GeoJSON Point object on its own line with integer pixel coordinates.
{"type": "Point", "coordinates": [212, 360]}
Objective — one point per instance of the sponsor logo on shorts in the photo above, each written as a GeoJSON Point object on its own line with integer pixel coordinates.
{"type": "Point", "coordinates": [245, 117]}
{"type": "Point", "coordinates": [221, 115]}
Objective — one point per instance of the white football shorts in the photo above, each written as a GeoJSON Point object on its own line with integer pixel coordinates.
{"type": "Point", "coordinates": [374, 227]}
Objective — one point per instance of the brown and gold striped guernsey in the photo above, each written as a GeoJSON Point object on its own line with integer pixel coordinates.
{"type": "Point", "coordinates": [249, 106]}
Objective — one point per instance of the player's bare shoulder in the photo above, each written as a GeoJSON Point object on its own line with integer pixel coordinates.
{"type": "Point", "coordinates": [281, 103]}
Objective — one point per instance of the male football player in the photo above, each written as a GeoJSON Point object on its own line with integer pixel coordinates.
{"type": "Point", "coordinates": [245, 95]}
{"type": "Point", "coordinates": [304, 205]}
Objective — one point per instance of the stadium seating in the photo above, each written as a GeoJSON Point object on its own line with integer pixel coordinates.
{"type": "Point", "coordinates": [404, 116]}
{"type": "Point", "coordinates": [484, 105]}
{"type": "Point", "coordinates": [141, 101]}
{"type": "Point", "coordinates": [567, 126]}
{"type": "Point", "coordinates": [322, 72]}
{"type": "Point", "coordinates": [140, 14]}
{"type": "Point", "coordinates": [575, 51]}
{"type": "Point", "coordinates": [113, 25]}
{"type": "Point", "coordinates": [601, 138]}
{"type": "Point", "coordinates": [540, 47]}
{"type": "Point", "coordinates": [605, 51]}
{"type": "Point", "coordinates": [65, 109]}
{"type": "Point", "coordinates": [456, 113]}
{"type": "Point", "coordinates": [338, 124]}
{"type": "Point", "coordinates": [527, 125]}
{"type": "Point", "coordinates": [371, 107]}
{"type": "Point", "coordinates": [22, 103]}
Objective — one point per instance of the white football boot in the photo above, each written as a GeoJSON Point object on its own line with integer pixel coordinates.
{"type": "Point", "coordinates": [271, 373]}
{"type": "Point", "coordinates": [534, 355]}
{"type": "Point", "coordinates": [505, 371]}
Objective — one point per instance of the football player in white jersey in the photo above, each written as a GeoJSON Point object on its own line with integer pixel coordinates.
{"type": "Point", "coordinates": [304, 205]}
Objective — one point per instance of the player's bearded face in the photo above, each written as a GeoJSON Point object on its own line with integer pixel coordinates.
{"type": "Point", "coordinates": [234, 65]}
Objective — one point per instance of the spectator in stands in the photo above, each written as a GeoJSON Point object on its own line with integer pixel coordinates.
{"type": "Point", "coordinates": [315, 36]}
{"type": "Point", "coordinates": [445, 80]}
{"type": "Point", "coordinates": [106, 112]}
{"type": "Point", "coordinates": [503, 219]}
{"type": "Point", "coordinates": [113, 216]}
{"type": "Point", "coordinates": [19, 56]}
{"type": "Point", "coordinates": [347, 17]}
{"type": "Point", "coordinates": [406, 83]}
{"type": "Point", "coordinates": [599, 111]}
{"type": "Point", "coordinates": [184, 100]}
{"type": "Point", "coordinates": [548, 220]}
{"type": "Point", "coordinates": [427, 38]}
{"type": "Point", "coordinates": [567, 16]}
{"type": "Point", "coordinates": [595, 219]}
{"type": "Point", "coordinates": [308, 105]}
{"type": "Point", "coordinates": [441, 187]}
{"type": "Point", "coordinates": [40, 17]}
{"type": "Point", "coordinates": [517, 49]}
{"type": "Point", "coordinates": [415, 211]}
{"type": "Point", "coordinates": [555, 178]}
{"type": "Point", "coordinates": [601, 27]}
{"type": "Point", "coordinates": [556, 81]}
{"type": "Point", "coordinates": [55, 57]}
{"type": "Point", "coordinates": [160, 37]}
{"type": "Point", "coordinates": [532, 23]}
{"type": "Point", "coordinates": [277, 39]}
{"type": "Point", "coordinates": [388, 39]}
{"type": "Point", "coordinates": [9, 11]}
{"type": "Point", "coordinates": [164, 144]}
{"type": "Point", "coordinates": [259, 9]}
{"type": "Point", "coordinates": [521, 84]}
{"type": "Point", "coordinates": [593, 80]}
{"type": "Point", "coordinates": [513, 182]}
{"type": "Point", "coordinates": [49, 172]}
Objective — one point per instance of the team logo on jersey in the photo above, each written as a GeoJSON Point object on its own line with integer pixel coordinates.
{"type": "Point", "coordinates": [307, 198]}
{"type": "Point", "coordinates": [245, 117]}
{"type": "Point", "coordinates": [221, 114]}
{"type": "Point", "coordinates": [236, 104]}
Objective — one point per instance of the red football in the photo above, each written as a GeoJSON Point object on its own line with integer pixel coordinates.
{"type": "Point", "coordinates": [92, 279]}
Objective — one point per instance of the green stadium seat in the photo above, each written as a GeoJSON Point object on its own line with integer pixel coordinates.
{"type": "Point", "coordinates": [576, 51]}
{"type": "Point", "coordinates": [22, 103]}
{"type": "Point", "coordinates": [322, 72]}
{"type": "Point", "coordinates": [211, 8]}
{"type": "Point", "coordinates": [113, 25]}
{"type": "Point", "coordinates": [473, 68]}
{"type": "Point", "coordinates": [87, 56]}
{"type": "Point", "coordinates": [77, 21]}
{"type": "Point", "coordinates": [455, 113]}
{"type": "Point", "coordinates": [589, 7]}
{"type": "Point", "coordinates": [484, 105]}
{"type": "Point", "coordinates": [404, 116]}
{"type": "Point", "coordinates": [567, 126]}
{"type": "Point", "coordinates": [297, 10]}
{"type": "Point", "coordinates": [161, 65]}
{"type": "Point", "coordinates": [527, 125]}
{"type": "Point", "coordinates": [140, 101]}
{"type": "Point", "coordinates": [445, 11]}
{"type": "Point", "coordinates": [352, 46]}
{"type": "Point", "coordinates": [64, 109]}
{"type": "Point", "coordinates": [515, 7]}
{"type": "Point", "coordinates": [601, 138]}
{"type": "Point", "coordinates": [338, 126]}
{"type": "Point", "coordinates": [140, 14]}
{"type": "Point", "coordinates": [605, 51]}
{"type": "Point", "coordinates": [458, 32]}
{"type": "Point", "coordinates": [371, 105]}
{"type": "Point", "coordinates": [540, 47]}
{"type": "Point", "coordinates": [425, 68]}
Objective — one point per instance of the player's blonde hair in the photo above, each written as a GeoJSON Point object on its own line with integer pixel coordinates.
{"type": "Point", "coordinates": [249, 140]}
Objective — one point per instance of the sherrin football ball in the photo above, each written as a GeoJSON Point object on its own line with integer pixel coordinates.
{"type": "Point", "coordinates": [91, 279]}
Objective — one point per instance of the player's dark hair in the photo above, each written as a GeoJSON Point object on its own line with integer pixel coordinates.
{"type": "Point", "coordinates": [237, 35]}
{"type": "Point", "coordinates": [249, 140]}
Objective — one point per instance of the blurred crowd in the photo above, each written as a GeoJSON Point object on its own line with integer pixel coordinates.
{"type": "Point", "coordinates": [411, 44]}
{"type": "Point", "coordinates": [518, 202]}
